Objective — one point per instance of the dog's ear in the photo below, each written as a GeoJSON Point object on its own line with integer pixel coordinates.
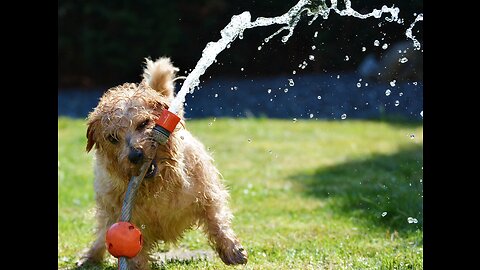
{"type": "Point", "coordinates": [90, 133]}
{"type": "Point", "coordinates": [159, 75]}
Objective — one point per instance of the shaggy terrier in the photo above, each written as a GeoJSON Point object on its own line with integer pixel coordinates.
{"type": "Point", "coordinates": [182, 188]}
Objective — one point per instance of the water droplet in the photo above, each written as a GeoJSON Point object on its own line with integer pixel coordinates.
{"type": "Point", "coordinates": [210, 124]}
{"type": "Point", "coordinates": [269, 90]}
{"type": "Point", "coordinates": [400, 94]}
{"type": "Point", "coordinates": [291, 82]}
{"type": "Point", "coordinates": [359, 85]}
{"type": "Point", "coordinates": [181, 137]}
{"type": "Point", "coordinates": [294, 72]}
{"type": "Point", "coordinates": [392, 83]}
{"type": "Point", "coordinates": [285, 90]}
{"type": "Point", "coordinates": [403, 60]}
{"type": "Point", "coordinates": [311, 57]}
{"type": "Point", "coordinates": [412, 136]}
{"type": "Point", "coordinates": [364, 49]}
{"type": "Point", "coordinates": [313, 47]}
{"type": "Point", "coordinates": [271, 99]}
{"type": "Point", "coordinates": [143, 226]}
{"type": "Point", "coordinates": [270, 151]}
{"type": "Point", "coordinates": [388, 92]}
{"type": "Point", "coordinates": [228, 46]}
{"type": "Point", "coordinates": [412, 220]}
{"type": "Point", "coordinates": [338, 76]}
{"type": "Point", "coordinates": [397, 103]}
{"type": "Point", "coordinates": [235, 88]}
{"type": "Point", "coordinates": [366, 84]}
{"type": "Point", "coordinates": [384, 214]}
{"type": "Point", "coordinates": [284, 39]}
{"type": "Point", "coordinates": [355, 108]}
{"type": "Point", "coordinates": [311, 115]}
{"type": "Point", "coordinates": [294, 120]}
{"type": "Point", "coordinates": [259, 48]}
{"type": "Point", "coordinates": [249, 140]}
{"type": "Point", "coordinates": [421, 114]}
{"type": "Point", "coordinates": [347, 58]}
{"type": "Point", "coordinates": [414, 83]}
{"type": "Point", "coordinates": [241, 69]}
{"type": "Point", "coordinates": [315, 34]}
{"type": "Point", "coordinates": [320, 97]}
{"type": "Point", "coordinates": [216, 95]}
{"type": "Point", "coordinates": [343, 116]}
{"type": "Point", "coordinates": [385, 46]}
{"type": "Point", "coordinates": [376, 43]}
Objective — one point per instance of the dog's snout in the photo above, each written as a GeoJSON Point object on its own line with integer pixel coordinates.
{"type": "Point", "coordinates": [135, 155]}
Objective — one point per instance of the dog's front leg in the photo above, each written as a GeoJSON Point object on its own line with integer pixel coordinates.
{"type": "Point", "coordinates": [221, 235]}
{"type": "Point", "coordinates": [96, 252]}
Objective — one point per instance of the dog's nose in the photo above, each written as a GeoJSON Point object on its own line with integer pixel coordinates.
{"type": "Point", "coordinates": [135, 155]}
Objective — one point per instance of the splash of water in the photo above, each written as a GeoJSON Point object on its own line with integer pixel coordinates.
{"type": "Point", "coordinates": [239, 23]}
{"type": "Point", "coordinates": [408, 33]}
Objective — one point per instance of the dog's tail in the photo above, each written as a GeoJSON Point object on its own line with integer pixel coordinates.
{"type": "Point", "coordinates": [159, 75]}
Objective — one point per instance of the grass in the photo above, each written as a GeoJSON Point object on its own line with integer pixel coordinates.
{"type": "Point", "coordinates": [306, 195]}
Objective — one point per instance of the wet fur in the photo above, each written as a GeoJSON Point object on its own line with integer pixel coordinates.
{"type": "Point", "coordinates": [185, 192]}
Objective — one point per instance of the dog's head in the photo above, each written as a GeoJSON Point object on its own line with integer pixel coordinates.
{"type": "Point", "coordinates": [120, 127]}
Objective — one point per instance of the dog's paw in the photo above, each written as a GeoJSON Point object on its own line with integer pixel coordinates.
{"type": "Point", "coordinates": [234, 254]}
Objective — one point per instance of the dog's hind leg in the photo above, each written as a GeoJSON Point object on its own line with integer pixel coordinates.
{"type": "Point", "coordinates": [217, 223]}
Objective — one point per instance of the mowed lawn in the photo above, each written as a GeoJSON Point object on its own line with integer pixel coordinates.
{"type": "Point", "coordinates": [309, 194]}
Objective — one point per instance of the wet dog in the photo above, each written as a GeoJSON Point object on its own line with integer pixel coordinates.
{"type": "Point", "coordinates": [182, 189]}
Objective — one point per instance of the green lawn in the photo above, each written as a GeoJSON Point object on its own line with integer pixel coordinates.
{"type": "Point", "coordinates": [306, 194]}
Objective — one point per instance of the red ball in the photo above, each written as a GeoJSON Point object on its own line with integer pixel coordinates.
{"type": "Point", "coordinates": [124, 240]}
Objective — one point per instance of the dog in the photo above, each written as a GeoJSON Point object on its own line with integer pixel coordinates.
{"type": "Point", "coordinates": [181, 190]}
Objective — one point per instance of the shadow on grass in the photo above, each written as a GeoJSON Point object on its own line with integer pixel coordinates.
{"type": "Point", "coordinates": [164, 260]}
{"type": "Point", "coordinates": [380, 190]}
{"type": "Point", "coordinates": [154, 266]}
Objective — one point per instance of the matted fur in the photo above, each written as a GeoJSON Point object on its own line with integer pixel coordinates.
{"type": "Point", "coordinates": [186, 190]}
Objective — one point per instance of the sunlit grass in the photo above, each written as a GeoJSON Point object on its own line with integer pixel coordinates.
{"type": "Point", "coordinates": [306, 194]}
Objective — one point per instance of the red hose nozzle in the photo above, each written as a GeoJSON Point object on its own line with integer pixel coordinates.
{"type": "Point", "coordinates": [167, 120]}
{"type": "Point", "coordinates": [165, 124]}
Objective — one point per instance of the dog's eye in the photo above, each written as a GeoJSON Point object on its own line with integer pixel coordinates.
{"type": "Point", "coordinates": [112, 139]}
{"type": "Point", "coordinates": [143, 125]}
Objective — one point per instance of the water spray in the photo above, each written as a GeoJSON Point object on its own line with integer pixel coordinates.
{"type": "Point", "coordinates": [123, 239]}
{"type": "Point", "coordinates": [239, 23]}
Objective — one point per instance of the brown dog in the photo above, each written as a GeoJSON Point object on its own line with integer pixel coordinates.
{"type": "Point", "coordinates": [182, 188]}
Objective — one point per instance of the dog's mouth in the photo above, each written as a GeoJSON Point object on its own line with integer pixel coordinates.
{"type": "Point", "coordinates": [152, 170]}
